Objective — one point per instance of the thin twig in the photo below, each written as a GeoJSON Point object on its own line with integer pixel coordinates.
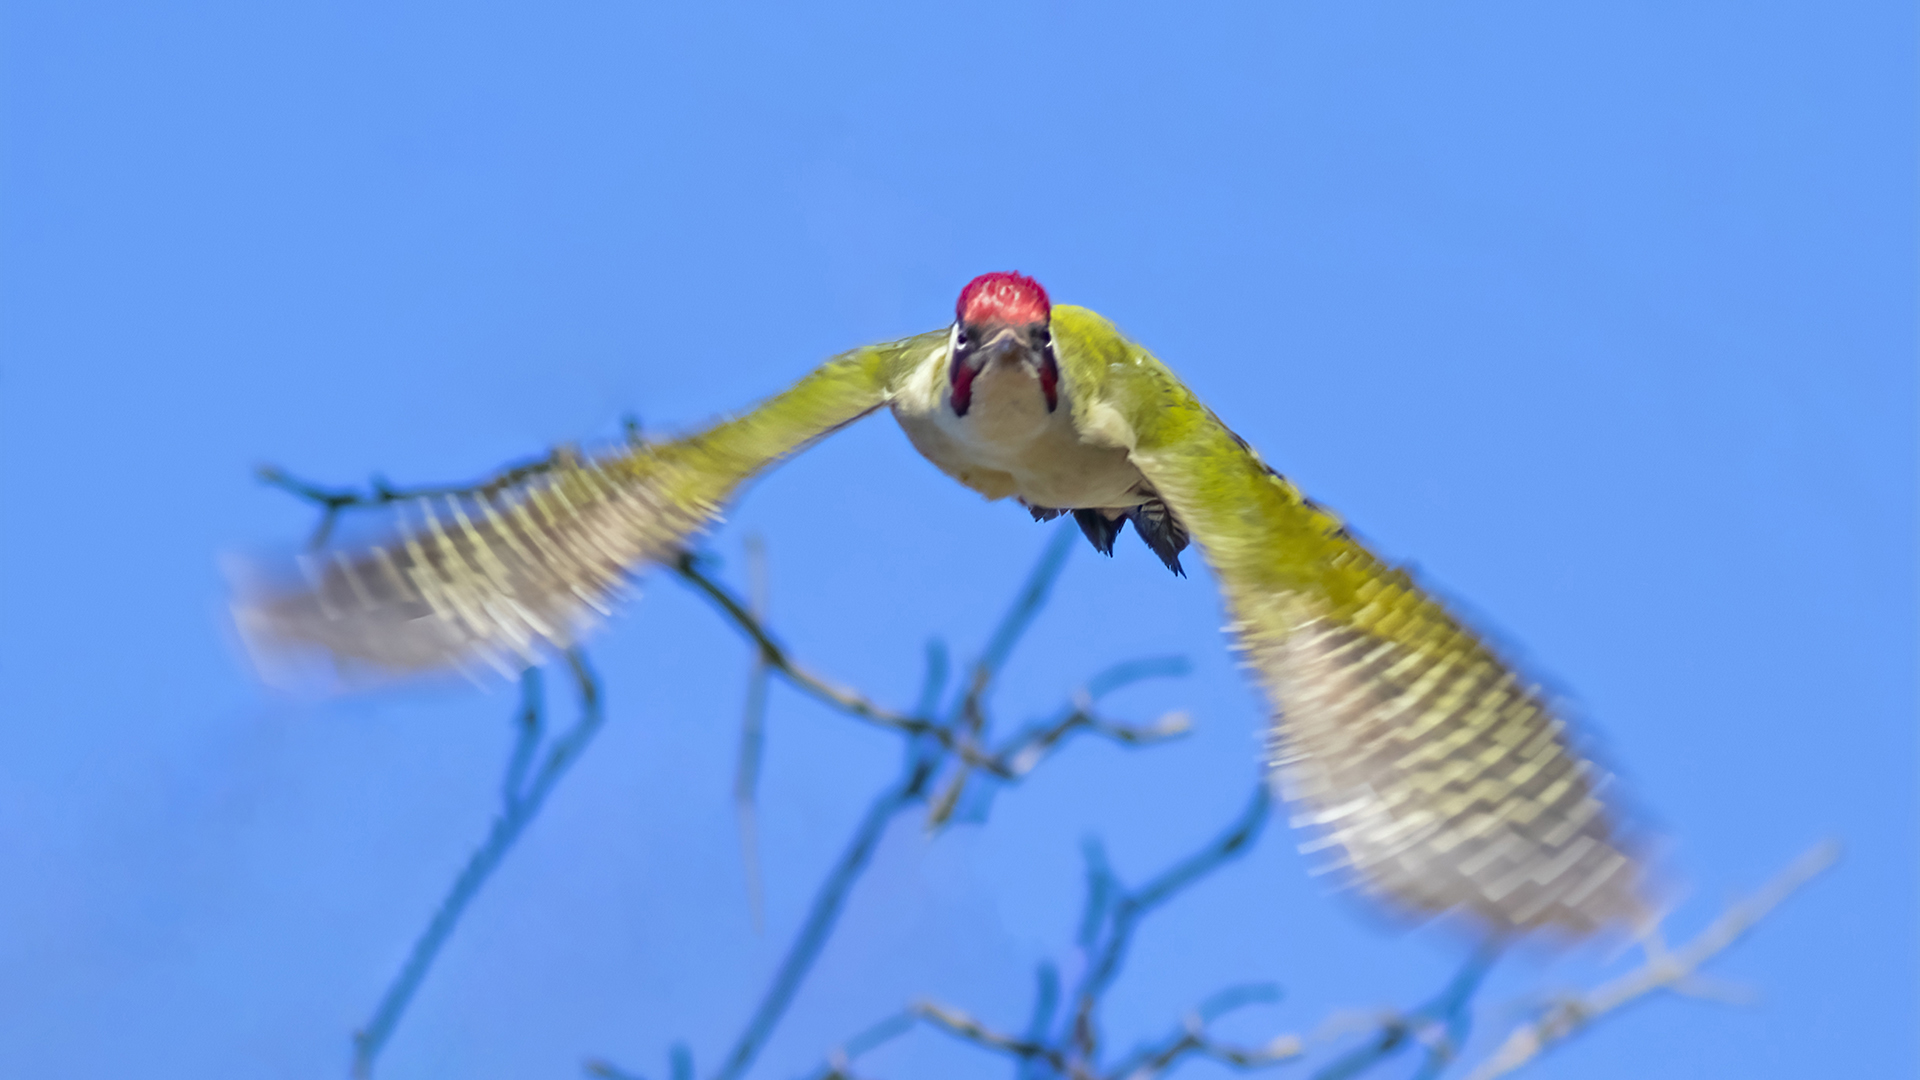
{"type": "Point", "coordinates": [520, 804]}
{"type": "Point", "coordinates": [839, 1062]}
{"type": "Point", "coordinates": [332, 501]}
{"type": "Point", "coordinates": [824, 913]}
{"type": "Point", "coordinates": [1107, 927]}
{"type": "Point", "coordinates": [1046, 999]}
{"type": "Point", "coordinates": [847, 701]}
{"type": "Point", "coordinates": [1125, 910]}
{"type": "Point", "coordinates": [1452, 1010]}
{"type": "Point", "coordinates": [1662, 971]}
{"type": "Point", "coordinates": [963, 1026]}
{"type": "Point", "coordinates": [1441, 1022]}
{"type": "Point", "coordinates": [1010, 762]}
{"type": "Point", "coordinates": [753, 739]}
{"type": "Point", "coordinates": [930, 745]}
{"type": "Point", "coordinates": [970, 719]}
{"type": "Point", "coordinates": [1193, 1040]}
{"type": "Point", "coordinates": [924, 757]}
{"type": "Point", "coordinates": [521, 795]}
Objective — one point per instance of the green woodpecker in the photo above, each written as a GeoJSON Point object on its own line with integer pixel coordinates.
{"type": "Point", "coordinates": [1433, 776]}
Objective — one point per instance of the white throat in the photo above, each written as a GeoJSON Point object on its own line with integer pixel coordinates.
{"type": "Point", "coordinates": [1009, 444]}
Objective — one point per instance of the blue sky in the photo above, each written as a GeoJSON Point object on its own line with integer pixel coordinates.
{"type": "Point", "coordinates": [1604, 318]}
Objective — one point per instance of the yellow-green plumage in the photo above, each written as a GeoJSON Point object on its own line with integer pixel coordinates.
{"type": "Point", "coordinates": [1437, 778]}
{"type": "Point", "coordinates": [502, 575]}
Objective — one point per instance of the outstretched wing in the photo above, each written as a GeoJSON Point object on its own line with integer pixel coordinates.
{"type": "Point", "coordinates": [1437, 777]}
{"type": "Point", "coordinates": [501, 574]}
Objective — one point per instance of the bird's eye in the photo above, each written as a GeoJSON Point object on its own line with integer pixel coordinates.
{"type": "Point", "coordinates": [1042, 336]}
{"type": "Point", "coordinates": [960, 338]}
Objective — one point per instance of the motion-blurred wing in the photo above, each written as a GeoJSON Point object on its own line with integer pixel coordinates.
{"type": "Point", "coordinates": [1437, 777]}
{"type": "Point", "coordinates": [500, 575]}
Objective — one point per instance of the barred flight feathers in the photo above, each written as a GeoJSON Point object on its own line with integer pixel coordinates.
{"type": "Point", "coordinates": [502, 576]}
{"type": "Point", "coordinates": [1435, 777]}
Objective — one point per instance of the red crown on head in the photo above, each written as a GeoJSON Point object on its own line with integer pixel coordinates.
{"type": "Point", "coordinates": [1005, 298]}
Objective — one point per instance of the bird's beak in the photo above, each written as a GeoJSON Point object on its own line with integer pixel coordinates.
{"type": "Point", "coordinates": [999, 346]}
{"type": "Point", "coordinates": [1007, 345]}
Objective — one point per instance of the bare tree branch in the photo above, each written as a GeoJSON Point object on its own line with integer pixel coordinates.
{"type": "Point", "coordinates": [1115, 920]}
{"type": "Point", "coordinates": [521, 800]}
{"type": "Point", "coordinates": [1192, 1039]}
{"type": "Point", "coordinates": [521, 795]}
{"type": "Point", "coordinates": [825, 911]}
{"type": "Point", "coordinates": [1111, 916]}
{"type": "Point", "coordinates": [1046, 999]}
{"type": "Point", "coordinates": [847, 701]}
{"type": "Point", "coordinates": [963, 1026]}
{"type": "Point", "coordinates": [971, 721]}
{"type": "Point", "coordinates": [932, 745]}
{"type": "Point", "coordinates": [945, 753]}
{"type": "Point", "coordinates": [1663, 970]}
{"type": "Point", "coordinates": [1442, 1024]}
{"type": "Point", "coordinates": [334, 501]}
{"type": "Point", "coordinates": [1010, 761]}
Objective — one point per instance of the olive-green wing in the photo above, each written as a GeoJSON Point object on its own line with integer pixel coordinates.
{"type": "Point", "coordinates": [500, 575]}
{"type": "Point", "coordinates": [1436, 776]}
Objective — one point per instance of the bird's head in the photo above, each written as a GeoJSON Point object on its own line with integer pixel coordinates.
{"type": "Point", "coordinates": [1002, 319]}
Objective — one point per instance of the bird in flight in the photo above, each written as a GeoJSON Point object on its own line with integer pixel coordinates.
{"type": "Point", "coordinates": [1433, 775]}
